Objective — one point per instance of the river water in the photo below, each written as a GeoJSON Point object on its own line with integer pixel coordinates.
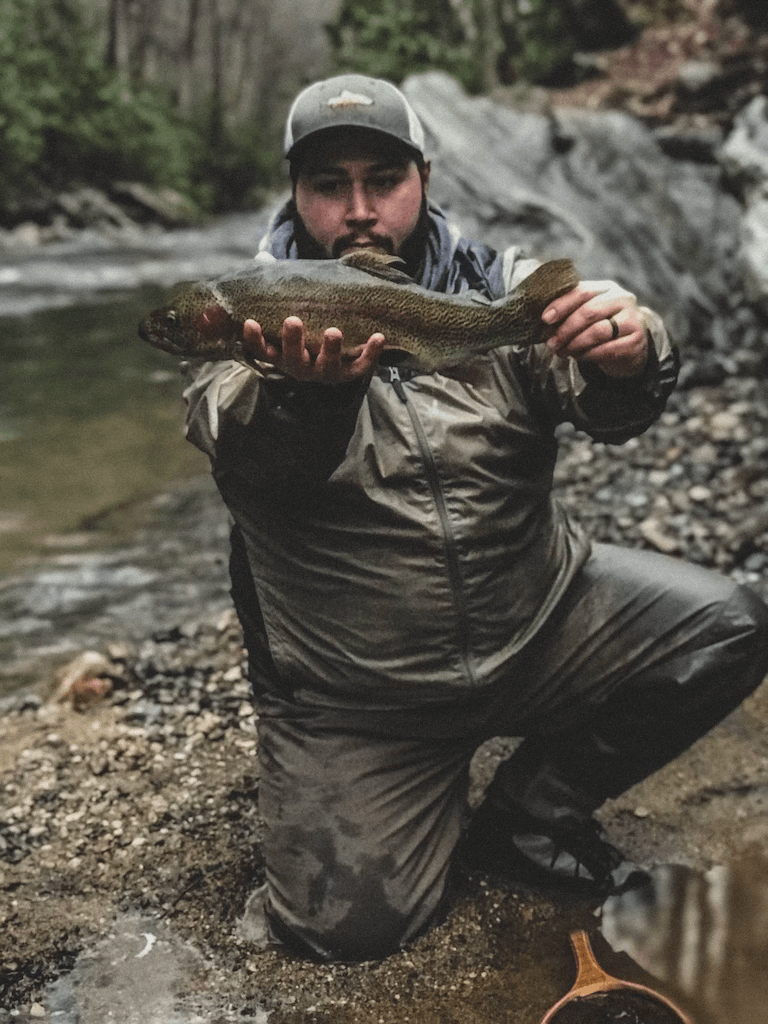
{"type": "Point", "coordinates": [91, 422]}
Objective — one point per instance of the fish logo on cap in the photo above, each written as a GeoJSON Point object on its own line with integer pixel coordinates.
{"type": "Point", "coordinates": [349, 99]}
{"type": "Point", "coordinates": [352, 101]}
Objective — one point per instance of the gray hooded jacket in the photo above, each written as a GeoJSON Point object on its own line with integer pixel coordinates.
{"type": "Point", "coordinates": [401, 535]}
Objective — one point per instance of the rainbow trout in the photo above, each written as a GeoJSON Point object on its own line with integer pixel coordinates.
{"type": "Point", "coordinates": [362, 293]}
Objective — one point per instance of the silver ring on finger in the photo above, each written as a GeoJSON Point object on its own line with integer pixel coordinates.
{"type": "Point", "coordinates": [614, 327]}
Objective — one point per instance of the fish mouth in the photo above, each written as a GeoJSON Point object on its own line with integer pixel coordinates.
{"type": "Point", "coordinates": [146, 334]}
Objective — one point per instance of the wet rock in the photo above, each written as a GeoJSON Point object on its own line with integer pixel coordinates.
{"type": "Point", "coordinates": [163, 205]}
{"type": "Point", "coordinates": [744, 158]}
{"type": "Point", "coordinates": [698, 143]}
{"type": "Point", "coordinates": [695, 75]}
{"type": "Point", "coordinates": [144, 712]}
{"type": "Point", "coordinates": [89, 207]}
{"type": "Point", "coordinates": [595, 186]}
{"type": "Point", "coordinates": [83, 681]}
{"type": "Point", "coordinates": [29, 702]}
{"type": "Point", "coordinates": [755, 252]}
{"type": "Point", "coordinates": [744, 155]}
{"type": "Point", "coordinates": [25, 234]}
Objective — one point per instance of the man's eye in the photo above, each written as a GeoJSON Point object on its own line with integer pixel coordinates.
{"type": "Point", "coordinates": [386, 182]}
{"type": "Point", "coordinates": [328, 187]}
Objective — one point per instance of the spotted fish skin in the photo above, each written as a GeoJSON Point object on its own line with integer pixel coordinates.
{"type": "Point", "coordinates": [363, 293]}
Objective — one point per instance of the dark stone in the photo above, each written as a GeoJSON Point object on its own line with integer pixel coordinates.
{"type": "Point", "coordinates": [598, 24]}
{"type": "Point", "coordinates": [595, 186]}
{"type": "Point", "coordinates": [698, 147]}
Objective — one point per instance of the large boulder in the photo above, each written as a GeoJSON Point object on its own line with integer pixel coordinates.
{"type": "Point", "coordinates": [754, 252]}
{"type": "Point", "coordinates": [744, 159]}
{"type": "Point", "coordinates": [595, 186]}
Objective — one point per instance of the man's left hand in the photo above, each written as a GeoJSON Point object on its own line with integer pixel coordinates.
{"type": "Point", "coordinates": [601, 323]}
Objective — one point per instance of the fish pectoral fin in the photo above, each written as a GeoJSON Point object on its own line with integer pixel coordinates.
{"type": "Point", "coordinates": [377, 263]}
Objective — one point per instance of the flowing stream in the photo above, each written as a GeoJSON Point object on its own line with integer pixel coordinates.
{"type": "Point", "coordinates": [91, 426]}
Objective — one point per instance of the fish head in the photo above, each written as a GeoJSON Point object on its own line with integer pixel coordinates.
{"type": "Point", "coordinates": [194, 325]}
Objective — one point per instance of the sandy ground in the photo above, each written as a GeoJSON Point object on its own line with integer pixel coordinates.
{"type": "Point", "coordinates": [131, 843]}
{"type": "Point", "coordinates": [129, 829]}
{"type": "Point", "coordinates": [130, 835]}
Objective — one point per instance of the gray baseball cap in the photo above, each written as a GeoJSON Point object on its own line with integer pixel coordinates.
{"type": "Point", "coordinates": [354, 101]}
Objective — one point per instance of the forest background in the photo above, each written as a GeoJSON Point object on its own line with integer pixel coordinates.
{"type": "Point", "coordinates": [191, 95]}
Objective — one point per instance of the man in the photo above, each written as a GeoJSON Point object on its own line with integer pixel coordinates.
{"type": "Point", "coordinates": [407, 586]}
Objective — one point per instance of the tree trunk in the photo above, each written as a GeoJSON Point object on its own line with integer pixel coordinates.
{"type": "Point", "coordinates": [217, 75]}
{"type": "Point", "coordinates": [113, 23]}
{"type": "Point", "coordinates": [187, 69]}
{"type": "Point", "coordinates": [488, 42]}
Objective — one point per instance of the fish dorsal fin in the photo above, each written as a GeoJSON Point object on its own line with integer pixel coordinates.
{"type": "Point", "coordinates": [378, 263]}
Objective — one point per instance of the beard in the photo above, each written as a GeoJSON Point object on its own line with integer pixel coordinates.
{"type": "Point", "coordinates": [412, 251]}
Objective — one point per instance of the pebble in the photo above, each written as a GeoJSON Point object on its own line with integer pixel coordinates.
{"type": "Point", "coordinates": [695, 485]}
{"type": "Point", "coordinates": [700, 493]}
{"type": "Point", "coordinates": [686, 488]}
{"type": "Point", "coordinates": [652, 531]}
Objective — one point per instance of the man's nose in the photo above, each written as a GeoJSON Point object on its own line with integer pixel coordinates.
{"type": "Point", "coordinates": [360, 207]}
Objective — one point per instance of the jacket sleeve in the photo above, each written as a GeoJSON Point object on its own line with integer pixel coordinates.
{"type": "Point", "coordinates": [609, 409]}
{"type": "Point", "coordinates": [287, 435]}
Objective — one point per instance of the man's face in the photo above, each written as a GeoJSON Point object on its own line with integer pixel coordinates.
{"type": "Point", "coordinates": [354, 193]}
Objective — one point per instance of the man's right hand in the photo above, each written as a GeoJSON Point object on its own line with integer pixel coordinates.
{"type": "Point", "coordinates": [328, 366]}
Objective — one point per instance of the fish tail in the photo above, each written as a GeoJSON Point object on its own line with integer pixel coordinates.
{"type": "Point", "coordinates": [521, 310]}
{"type": "Point", "coordinates": [547, 283]}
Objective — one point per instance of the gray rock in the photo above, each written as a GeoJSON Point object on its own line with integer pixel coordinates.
{"type": "Point", "coordinates": [89, 207]}
{"type": "Point", "coordinates": [754, 252]}
{"type": "Point", "coordinates": [698, 74]}
{"type": "Point", "coordinates": [744, 154]}
{"type": "Point", "coordinates": [595, 186]}
{"type": "Point", "coordinates": [163, 205]}
{"type": "Point", "coordinates": [744, 158]}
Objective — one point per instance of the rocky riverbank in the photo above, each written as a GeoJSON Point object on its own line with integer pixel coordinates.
{"type": "Point", "coordinates": [147, 803]}
{"type": "Point", "coordinates": [129, 811]}
{"type": "Point", "coordinates": [123, 212]}
{"type": "Point", "coordinates": [143, 802]}
{"type": "Point", "coordinates": [135, 818]}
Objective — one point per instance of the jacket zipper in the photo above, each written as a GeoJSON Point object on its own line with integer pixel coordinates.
{"type": "Point", "coordinates": [449, 541]}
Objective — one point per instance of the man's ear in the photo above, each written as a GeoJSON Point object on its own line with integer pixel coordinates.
{"type": "Point", "coordinates": [425, 172]}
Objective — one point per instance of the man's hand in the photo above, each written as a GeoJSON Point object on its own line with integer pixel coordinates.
{"type": "Point", "coordinates": [599, 322]}
{"type": "Point", "coordinates": [329, 366]}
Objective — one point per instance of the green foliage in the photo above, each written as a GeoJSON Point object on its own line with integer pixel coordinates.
{"type": "Point", "coordinates": [65, 116]}
{"type": "Point", "coordinates": [233, 168]}
{"type": "Point", "coordinates": [538, 43]}
{"type": "Point", "coordinates": [532, 39]}
{"type": "Point", "coordinates": [662, 12]}
{"type": "Point", "coordinates": [394, 38]}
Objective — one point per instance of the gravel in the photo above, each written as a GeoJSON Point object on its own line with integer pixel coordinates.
{"type": "Point", "coordinates": [145, 798]}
